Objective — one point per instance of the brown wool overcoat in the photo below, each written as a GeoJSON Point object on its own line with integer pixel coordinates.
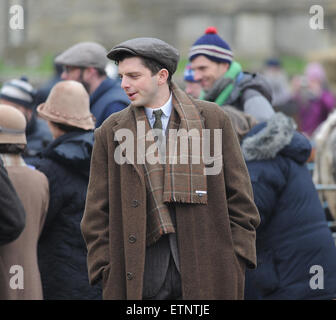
{"type": "Point", "coordinates": [215, 241]}
{"type": "Point", "coordinates": [32, 188]}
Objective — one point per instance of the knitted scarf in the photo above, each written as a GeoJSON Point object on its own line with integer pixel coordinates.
{"type": "Point", "coordinates": [180, 179]}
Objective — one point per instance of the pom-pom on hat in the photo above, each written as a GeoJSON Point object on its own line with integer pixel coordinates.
{"type": "Point", "coordinates": [212, 46]}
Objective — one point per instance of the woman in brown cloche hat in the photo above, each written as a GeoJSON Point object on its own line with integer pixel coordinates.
{"type": "Point", "coordinates": [66, 162]}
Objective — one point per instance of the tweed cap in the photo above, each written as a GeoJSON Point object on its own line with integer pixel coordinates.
{"type": "Point", "coordinates": [151, 48]}
{"type": "Point", "coordinates": [84, 54]}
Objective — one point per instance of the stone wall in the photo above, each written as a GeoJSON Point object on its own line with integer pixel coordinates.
{"type": "Point", "coordinates": [252, 27]}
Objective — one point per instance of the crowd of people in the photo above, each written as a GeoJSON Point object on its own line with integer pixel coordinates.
{"type": "Point", "coordinates": [86, 218]}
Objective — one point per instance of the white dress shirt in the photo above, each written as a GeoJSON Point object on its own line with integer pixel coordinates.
{"type": "Point", "coordinates": [166, 109]}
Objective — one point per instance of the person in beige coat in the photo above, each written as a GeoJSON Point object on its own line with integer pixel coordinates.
{"type": "Point", "coordinates": [325, 162]}
{"type": "Point", "coordinates": [167, 230]}
{"type": "Point", "coordinates": [19, 267]}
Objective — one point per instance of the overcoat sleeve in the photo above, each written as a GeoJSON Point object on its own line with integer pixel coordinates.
{"type": "Point", "coordinates": [243, 213]}
{"type": "Point", "coordinates": [95, 222]}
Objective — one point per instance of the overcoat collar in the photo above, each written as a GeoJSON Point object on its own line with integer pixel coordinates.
{"type": "Point", "coordinates": [126, 120]}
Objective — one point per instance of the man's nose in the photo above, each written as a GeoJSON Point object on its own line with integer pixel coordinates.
{"type": "Point", "coordinates": [64, 75]}
{"type": "Point", "coordinates": [124, 83]}
{"type": "Point", "coordinates": [197, 75]}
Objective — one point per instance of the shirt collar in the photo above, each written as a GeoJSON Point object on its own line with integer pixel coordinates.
{"type": "Point", "coordinates": [166, 108]}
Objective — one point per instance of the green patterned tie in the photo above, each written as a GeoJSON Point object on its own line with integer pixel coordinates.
{"type": "Point", "coordinates": [158, 122]}
{"type": "Point", "coordinates": [158, 126]}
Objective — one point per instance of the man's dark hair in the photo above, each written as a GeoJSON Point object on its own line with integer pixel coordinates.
{"type": "Point", "coordinates": [101, 72]}
{"type": "Point", "coordinates": [12, 148]}
{"type": "Point", "coordinates": [151, 64]}
{"type": "Point", "coordinates": [67, 128]}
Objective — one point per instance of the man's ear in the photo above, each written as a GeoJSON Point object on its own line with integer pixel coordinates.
{"type": "Point", "coordinates": [224, 66]}
{"type": "Point", "coordinates": [163, 75]}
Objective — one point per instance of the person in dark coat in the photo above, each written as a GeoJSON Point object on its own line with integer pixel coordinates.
{"type": "Point", "coordinates": [12, 213]}
{"type": "Point", "coordinates": [20, 94]}
{"type": "Point", "coordinates": [66, 163]}
{"type": "Point", "coordinates": [86, 62]}
{"type": "Point", "coordinates": [296, 254]}
{"type": "Point", "coordinates": [108, 98]}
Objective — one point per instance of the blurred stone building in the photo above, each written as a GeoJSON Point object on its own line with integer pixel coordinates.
{"type": "Point", "coordinates": [252, 27]}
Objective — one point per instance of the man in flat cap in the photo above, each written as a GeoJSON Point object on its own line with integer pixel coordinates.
{"type": "Point", "coordinates": [161, 221]}
{"type": "Point", "coordinates": [86, 62]}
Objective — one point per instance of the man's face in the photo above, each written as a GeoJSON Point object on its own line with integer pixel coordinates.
{"type": "Point", "coordinates": [71, 73]}
{"type": "Point", "coordinates": [207, 71]}
{"type": "Point", "coordinates": [138, 82]}
{"type": "Point", "coordinates": [76, 74]}
{"type": "Point", "coordinates": [193, 88]}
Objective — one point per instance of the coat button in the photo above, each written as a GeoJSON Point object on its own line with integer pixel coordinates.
{"type": "Point", "coordinates": [130, 276]}
{"type": "Point", "coordinates": [135, 203]}
{"type": "Point", "coordinates": [132, 238]}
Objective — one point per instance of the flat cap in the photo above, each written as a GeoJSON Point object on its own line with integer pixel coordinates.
{"type": "Point", "coordinates": [151, 48]}
{"type": "Point", "coordinates": [84, 54]}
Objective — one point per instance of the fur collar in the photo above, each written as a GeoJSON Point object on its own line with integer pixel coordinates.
{"type": "Point", "coordinates": [270, 140]}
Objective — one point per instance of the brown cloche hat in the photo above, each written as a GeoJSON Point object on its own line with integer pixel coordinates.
{"type": "Point", "coordinates": [12, 125]}
{"type": "Point", "coordinates": [68, 103]}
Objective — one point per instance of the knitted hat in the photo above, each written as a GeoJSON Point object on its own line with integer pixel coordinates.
{"type": "Point", "coordinates": [212, 46]}
{"type": "Point", "coordinates": [315, 71]}
{"type": "Point", "coordinates": [19, 91]}
{"type": "Point", "coordinates": [189, 73]}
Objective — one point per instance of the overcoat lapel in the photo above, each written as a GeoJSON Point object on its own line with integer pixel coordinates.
{"type": "Point", "coordinates": [127, 121]}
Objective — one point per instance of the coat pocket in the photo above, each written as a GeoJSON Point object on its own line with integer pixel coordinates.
{"type": "Point", "coordinates": [105, 275]}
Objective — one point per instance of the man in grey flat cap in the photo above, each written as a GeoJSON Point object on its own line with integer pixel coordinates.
{"type": "Point", "coordinates": [159, 225]}
{"type": "Point", "coordinates": [86, 62]}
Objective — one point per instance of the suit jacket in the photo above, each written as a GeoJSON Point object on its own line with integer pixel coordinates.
{"type": "Point", "coordinates": [157, 261]}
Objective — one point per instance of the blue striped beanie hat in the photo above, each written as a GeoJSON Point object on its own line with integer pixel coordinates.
{"type": "Point", "coordinates": [212, 46]}
{"type": "Point", "coordinates": [19, 91]}
{"type": "Point", "coordinates": [189, 73]}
